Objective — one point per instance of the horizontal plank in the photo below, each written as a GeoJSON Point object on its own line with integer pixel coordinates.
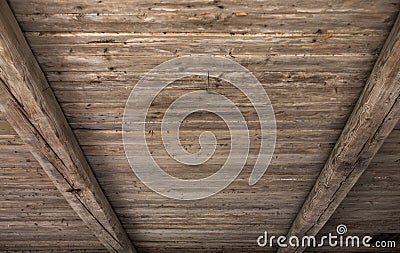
{"type": "Point", "coordinates": [254, 63]}
{"type": "Point", "coordinates": [110, 137]}
{"type": "Point", "coordinates": [75, 44]}
{"type": "Point", "coordinates": [118, 7]}
{"type": "Point", "coordinates": [187, 20]}
{"type": "Point", "coordinates": [342, 85]}
{"type": "Point", "coordinates": [301, 78]}
{"type": "Point", "coordinates": [95, 123]}
{"type": "Point", "coordinates": [277, 97]}
{"type": "Point", "coordinates": [280, 148]}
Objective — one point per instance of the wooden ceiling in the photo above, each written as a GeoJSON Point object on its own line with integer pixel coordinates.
{"type": "Point", "coordinates": [312, 57]}
{"type": "Point", "coordinates": [34, 214]}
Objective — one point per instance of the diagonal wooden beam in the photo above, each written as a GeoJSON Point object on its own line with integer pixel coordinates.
{"type": "Point", "coordinates": [32, 109]}
{"type": "Point", "coordinates": [373, 118]}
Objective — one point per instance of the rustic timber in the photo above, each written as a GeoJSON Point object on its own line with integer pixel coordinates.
{"type": "Point", "coordinates": [313, 58]}
{"type": "Point", "coordinates": [33, 213]}
{"type": "Point", "coordinates": [31, 108]}
{"type": "Point", "coordinates": [376, 190]}
{"type": "Point", "coordinates": [373, 119]}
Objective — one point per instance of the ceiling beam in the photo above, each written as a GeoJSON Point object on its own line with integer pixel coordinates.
{"type": "Point", "coordinates": [32, 109]}
{"type": "Point", "coordinates": [373, 118]}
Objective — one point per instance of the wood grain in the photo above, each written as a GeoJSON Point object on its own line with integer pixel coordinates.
{"type": "Point", "coordinates": [374, 117]}
{"type": "Point", "coordinates": [31, 108]}
{"type": "Point", "coordinates": [313, 58]}
{"type": "Point", "coordinates": [33, 213]}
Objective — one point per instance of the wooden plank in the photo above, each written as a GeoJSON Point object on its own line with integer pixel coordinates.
{"type": "Point", "coordinates": [230, 6]}
{"type": "Point", "coordinates": [188, 20]}
{"type": "Point", "coordinates": [31, 108]}
{"type": "Point", "coordinates": [33, 211]}
{"type": "Point", "coordinates": [125, 44]}
{"type": "Point", "coordinates": [373, 119]}
{"type": "Point", "coordinates": [316, 77]}
{"type": "Point", "coordinates": [256, 63]}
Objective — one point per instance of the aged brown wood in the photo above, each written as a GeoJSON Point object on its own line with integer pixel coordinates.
{"type": "Point", "coordinates": [313, 57]}
{"type": "Point", "coordinates": [212, 21]}
{"type": "Point", "coordinates": [33, 213]}
{"type": "Point", "coordinates": [374, 117]}
{"type": "Point", "coordinates": [229, 6]}
{"type": "Point", "coordinates": [31, 108]}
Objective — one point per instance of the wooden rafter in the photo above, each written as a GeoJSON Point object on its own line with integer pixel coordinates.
{"type": "Point", "coordinates": [32, 109]}
{"type": "Point", "coordinates": [373, 118]}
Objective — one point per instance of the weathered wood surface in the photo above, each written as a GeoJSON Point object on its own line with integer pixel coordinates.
{"type": "Point", "coordinates": [195, 21]}
{"type": "Point", "coordinates": [303, 56]}
{"type": "Point", "coordinates": [229, 6]}
{"type": "Point", "coordinates": [372, 120]}
{"type": "Point", "coordinates": [125, 44]}
{"type": "Point", "coordinates": [29, 105]}
{"type": "Point", "coordinates": [33, 214]}
{"type": "Point", "coordinates": [376, 194]}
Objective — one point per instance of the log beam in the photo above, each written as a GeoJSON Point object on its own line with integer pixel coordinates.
{"type": "Point", "coordinates": [32, 109]}
{"type": "Point", "coordinates": [373, 118]}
